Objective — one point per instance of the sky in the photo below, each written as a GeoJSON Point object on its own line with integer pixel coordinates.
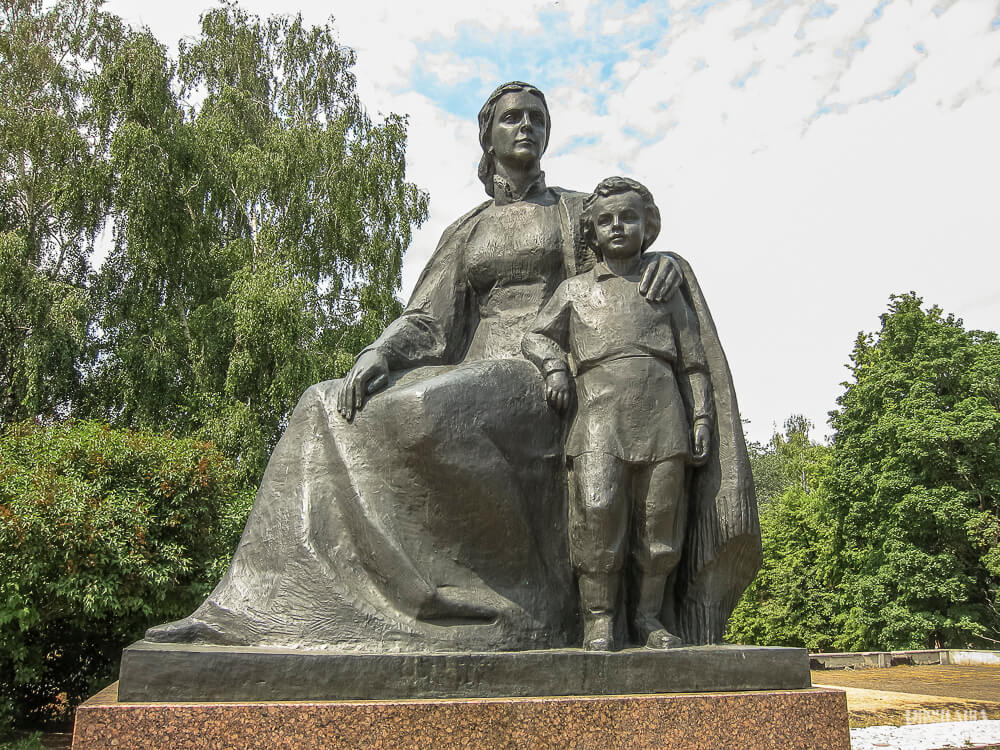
{"type": "Point", "coordinates": [809, 157]}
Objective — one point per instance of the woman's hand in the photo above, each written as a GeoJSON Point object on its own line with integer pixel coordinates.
{"type": "Point", "coordinates": [369, 374]}
{"type": "Point", "coordinates": [661, 275]}
{"type": "Point", "coordinates": [557, 389]}
{"type": "Point", "coordinates": [702, 442]}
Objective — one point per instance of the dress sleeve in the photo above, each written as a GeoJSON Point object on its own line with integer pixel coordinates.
{"type": "Point", "coordinates": [438, 322]}
{"type": "Point", "coordinates": [545, 343]}
{"type": "Point", "coordinates": [693, 363]}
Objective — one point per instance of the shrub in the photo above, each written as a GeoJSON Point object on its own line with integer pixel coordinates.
{"type": "Point", "coordinates": [103, 532]}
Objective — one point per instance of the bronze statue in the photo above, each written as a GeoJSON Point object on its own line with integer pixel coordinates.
{"type": "Point", "coordinates": [632, 436]}
{"type": "Point", "coordinates": [420, 503]}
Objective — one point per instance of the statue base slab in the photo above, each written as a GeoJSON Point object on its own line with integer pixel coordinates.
{"type": "Point", "coordinates": [813, 719]}
{"type": "Point", "coordinates": [183, 672]}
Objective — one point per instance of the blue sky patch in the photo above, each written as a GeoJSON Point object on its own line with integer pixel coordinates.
{"type": "Point", "coordinates": [699, 10]}
{"type": "Point", "coordinates": [896, 89]}
{"type": "Point", "coordinates": [878, 11]}
{"type": "Point", "coordinates": [579, 141]}
{"type": "Point", "coordinates": [741, 81]}
{"type": "Point", "coordinates": [821, 9]}
{"type": "Point", "coordinates": [643, 138]}
{"type": "Point", "coordinates": [547, 59]}
{"type": "Point", "coordinates": [771, 18]}
{"type": "Point", "coordinates": [828, 109]}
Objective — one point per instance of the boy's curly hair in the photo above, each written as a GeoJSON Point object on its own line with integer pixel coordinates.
{"type": "Point", "coordinates": [615, 186]}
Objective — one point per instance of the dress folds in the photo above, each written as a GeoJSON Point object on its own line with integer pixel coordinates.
{"type": "Point", "coordinates": [435, 520]}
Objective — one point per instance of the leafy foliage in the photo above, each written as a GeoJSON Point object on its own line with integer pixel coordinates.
{"type": "Point", "coordinates": [915, 481]}
{"type": "Point", "coordinates": [53, 198]}
{"type": "Point", "coordinates": [778, 465]}
{"type": "Point", "coordinates": [30, 741]}
{"type": "Point", "coordinates": [258, 216]}
{"type": "Point", "coordinates": [43, 325]}
{"type": "Point", "coordinates": [103, 533]}
{"type": "Point", "coordinates": [260, 221]}
{"type": "Point", "coordinates": [888, 539]}
{"type": "Point", "coordinates": [792, 601]}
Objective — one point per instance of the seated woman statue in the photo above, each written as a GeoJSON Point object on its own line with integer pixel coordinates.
{"type": "Point", "coordinates": [419, 504]}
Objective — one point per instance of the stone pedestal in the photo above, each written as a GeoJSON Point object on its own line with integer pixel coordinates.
{"type": "Point", "coordinates": [810, 719]}
{"type": "Point", "coordinates": [179, 673]}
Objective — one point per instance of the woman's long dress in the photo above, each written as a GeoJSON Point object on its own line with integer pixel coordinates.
{"type": "Point", "coordinates": [435, 520]}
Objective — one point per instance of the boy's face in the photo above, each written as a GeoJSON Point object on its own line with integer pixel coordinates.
{"type": "Point", "coordinates": [619, 225]}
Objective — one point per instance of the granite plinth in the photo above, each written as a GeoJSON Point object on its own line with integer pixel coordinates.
{"type": "Point", "coordinates": [174, 672]}
{"type": "Point", "coordinates": [814, 719]}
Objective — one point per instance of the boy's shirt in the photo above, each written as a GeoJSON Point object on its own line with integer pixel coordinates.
{"type": "Point", "coordinates": [628, 352]}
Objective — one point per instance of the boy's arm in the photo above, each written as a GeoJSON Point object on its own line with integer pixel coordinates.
{"type": "Point", "coordinates": [544, 343]}
{"type": "Point", "coordinates": [544, 346]}
{"type": "Point", "coordinates": [694, 366]}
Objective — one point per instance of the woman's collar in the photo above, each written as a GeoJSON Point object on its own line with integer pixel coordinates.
{"type": "Point", "coordinates": [504, 193]}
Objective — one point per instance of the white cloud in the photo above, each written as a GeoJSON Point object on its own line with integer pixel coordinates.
{"type": "Point", "coordinates": [803, 197]}
{"type": "Point", "coordinates": [442, 155]}
{"type": "Point", "coordinates": [616, 18]}
{"type": "Point", "coordinates": [450, 69]}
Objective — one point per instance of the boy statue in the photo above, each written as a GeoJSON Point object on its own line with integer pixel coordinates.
{"type": "Point", "coordinates": [635, 363]}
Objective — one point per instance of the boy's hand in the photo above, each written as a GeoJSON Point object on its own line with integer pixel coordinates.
{"type": "Point", "coordinates": [702, 442]}
{"type": "Point", "coordinates": [557, 390]}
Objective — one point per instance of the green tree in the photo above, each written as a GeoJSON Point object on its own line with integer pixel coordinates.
{"type": "Point", "coordinates": [102, 533]}
{"type": "Point", "coordinates": [915, 481]}
{"type": "Point", "coordinates": [258, 217]}
{"type": "Point", "coordinates": [777, 465]}
{"type": "Point", "coordinates": [53, 196]}
{"type": "Point", "coordinates": [260, 220]}
{"type": "Point", "coordinates": [791, 601]}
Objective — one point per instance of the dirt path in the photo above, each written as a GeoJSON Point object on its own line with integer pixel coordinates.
{"type": "Point", "coordinates": [916, 695]}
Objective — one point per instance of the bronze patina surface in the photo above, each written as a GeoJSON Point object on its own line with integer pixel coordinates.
{"type": "Point", "coordinates": [429, 502]}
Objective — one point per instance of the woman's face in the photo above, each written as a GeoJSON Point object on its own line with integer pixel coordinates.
{"type": "Point", "coordinates": [519, 128]}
